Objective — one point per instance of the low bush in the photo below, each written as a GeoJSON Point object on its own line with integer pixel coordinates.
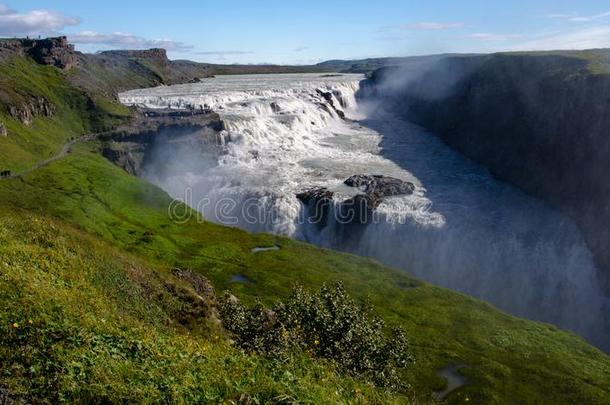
{"type": "Point", "coordinates": [328, 324]}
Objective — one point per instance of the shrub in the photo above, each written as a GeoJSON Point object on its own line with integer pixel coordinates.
{"type": "Point", "coordinates": [328, 324]}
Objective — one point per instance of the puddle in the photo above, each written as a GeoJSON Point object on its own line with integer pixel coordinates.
{"type": "Point", "coordinates": [265, 248]}
{"type": "Point", "coordinates": [454, 380]}
{"type": "Point", "coordinates": [240, 278]}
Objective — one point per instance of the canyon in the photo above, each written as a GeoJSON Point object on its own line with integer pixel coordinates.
{"type": "Point", "coordinates": [281, 162]}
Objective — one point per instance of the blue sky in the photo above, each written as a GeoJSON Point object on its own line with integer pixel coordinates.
{"type": "Point", "coordinates": [309, 31]}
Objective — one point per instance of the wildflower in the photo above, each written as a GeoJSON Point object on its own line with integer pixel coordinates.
{"type": "Point", "coordinates": [15, 325]}
{"type": "Point", "coordinates": [30, 321]}
{"type": "Point", "coordinates": [316, 342]}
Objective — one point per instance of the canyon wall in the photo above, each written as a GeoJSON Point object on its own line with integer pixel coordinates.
{"type": "Point", "coordinates": [539, 121]}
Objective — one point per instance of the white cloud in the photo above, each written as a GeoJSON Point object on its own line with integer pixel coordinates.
{"type": "Point", "coordinates": [486, 36]}
{"type": "Point", "coordinates": [594, 37]}
{"type": "Point", "coordinates": [433, 26]}
{"type": "Point", "coordinates": [125, 40]}
{"type": "Point", "coordinates": [13, 23]}
{"type": "Point", "coordinates": [576, 18]}
{"type": "Point", "coordinates": [301, 48]}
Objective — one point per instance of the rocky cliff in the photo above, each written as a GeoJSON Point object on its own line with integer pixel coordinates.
{"type": "Point", "coordinates": [47, 51]}
{"type": "Point", "coordinates": [130, 145]}
{"type": "Point", "coordinates": [539, 121]}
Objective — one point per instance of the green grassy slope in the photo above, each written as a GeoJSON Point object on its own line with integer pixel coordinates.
{"type": "Point", "coordinates": [90, 323]}
{"type": "Point", "coordinates": [507, 359]}
{"type": "Point", "coordinates": [86, 253]}
{"type": "Point", "coordinates": [75, 112]}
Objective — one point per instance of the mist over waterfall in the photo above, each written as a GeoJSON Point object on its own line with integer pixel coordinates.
{"type": "Point", "coordinates": [460, 228]}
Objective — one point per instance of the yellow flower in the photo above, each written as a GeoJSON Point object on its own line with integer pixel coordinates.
{"type": "Point", "coordinates": [317, 342]}
{"type": "Point", "coordinates": [15, 325]}
{"type": "Point", "coordinates": [30, 321]}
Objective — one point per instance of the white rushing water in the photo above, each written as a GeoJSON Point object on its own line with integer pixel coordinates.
{"type": "Point", "coordinates": [461, 228]}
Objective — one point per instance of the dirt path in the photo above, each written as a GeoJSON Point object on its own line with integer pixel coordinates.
{"type": "Point", "coordinates": [63, 152]}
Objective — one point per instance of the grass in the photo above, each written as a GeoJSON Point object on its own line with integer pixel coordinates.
{"type": "Point", "coordinates": [79, 324]}
{"type": "Point", "coordinates": [507, 359]}
{"type": "Point", "coordinates": [91, 311]}
{"type": "Point", "coordinates": [76, 113]}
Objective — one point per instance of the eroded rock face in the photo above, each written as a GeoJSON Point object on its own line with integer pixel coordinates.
{"type": "Point", "coordinates": [54, 51]}
{"type": "Point", "coordinates": [131, 144]}
{"type": "Point", "coordinates": [358, 208]}
{"type": "Point", "coordinates": [315, 195]}
{"type": "Point", "coordinates": [381, 185]}
{"type": "Point", "coordinates": [539, 122]}
{"type": "Point", "coordinates": [37, 107]}
{"type": "Point", "coordinates": [319, 202]}
{"type": "Point", "coordinates": [328, 96]}
{"type": "Point", "coordinates": [47, 51]}
{"type": "Point", "coordinates": [127, 155]}
{"type": "Point", "coordinates": [3, 131]}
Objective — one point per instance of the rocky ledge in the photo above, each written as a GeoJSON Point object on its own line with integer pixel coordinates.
{"type": "Point", "coordinates": [47, 51]}
{"type": "Point", "coordinates": [27, 111]}
{"type": "Point", "coordinates": [356, 209]}
{"type": "Point", "coordinates": [328, 97]}
{"type": "Point", "coordinates": [129, 145]}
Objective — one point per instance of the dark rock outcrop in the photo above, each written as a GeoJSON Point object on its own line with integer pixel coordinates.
{"type": "Point", "coordinates": [382, 186]}
{"type": "Point", "coordinates": [275, 107]}
{"type": "Point", "coordinates": [328, 97]}
{"type": "Point", "coordinates": [375, 188]}
{"type": "Point", "coordinates": [319, 202]}
{"type": "Point", "coordinates": [26, 112]}
{"type": "Point", "coordinates": [316, 195]}
{"type": "Point", "coordinates": [356, 209]}
{"type": "Point", "coordinates": [130, 144]}
{"type": "Point", "coordinates": [538, 121]}
{"type": "Point", "coordinates": [47, 51]}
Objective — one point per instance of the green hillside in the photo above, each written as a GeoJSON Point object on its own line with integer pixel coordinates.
{"type": "Point", "coordinates": [93, 309]}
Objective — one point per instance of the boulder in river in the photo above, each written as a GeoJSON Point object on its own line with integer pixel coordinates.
{"type": "Point", "coordinates": [356, 209]}
{"type": "Point", "coordinates": [383, 186]}
{"type": "Point", "coordinates": [275, 107]}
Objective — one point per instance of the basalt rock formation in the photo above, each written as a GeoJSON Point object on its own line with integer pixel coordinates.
{"type": "Point", "coordinates": [47, 51]}
{"type": "Point", "coordinates": [539, 121]}
{"type": "Point", "coordinates": [328, 97]}
{"type": "Point", "coordinates": [129, 145]}
{"type": "Point", "coordinates": [358, 208]}
{"type": "Point", "coordinates": [26, 112]}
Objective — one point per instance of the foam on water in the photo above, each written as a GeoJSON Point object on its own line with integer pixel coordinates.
{"type": "Point", "coordinates": [464, 230]}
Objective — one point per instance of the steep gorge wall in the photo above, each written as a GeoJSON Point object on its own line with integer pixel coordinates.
{"type": "Point", "coordinates": [540, 122]}
{"type": "Point", "coordinates": [132, 144]}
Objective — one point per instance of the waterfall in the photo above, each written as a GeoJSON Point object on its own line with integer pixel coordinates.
{"type": "Point", "coordinates": [460, 228]}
